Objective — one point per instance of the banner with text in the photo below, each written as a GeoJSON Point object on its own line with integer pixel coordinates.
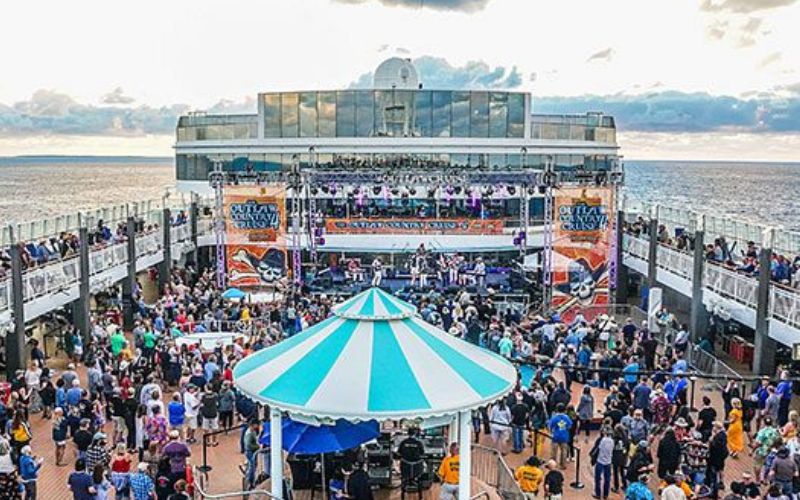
{"type": "Point", "coordinates": [583, 229]}
{"type": "Point", "coordinates": [255, 235]}
{"type": "Point", "coordinates": [414, 226]}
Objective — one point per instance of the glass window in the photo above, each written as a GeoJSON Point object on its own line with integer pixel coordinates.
{"type": "Point", "coordinates": [460, 127]}
{"type": "Point", "coordinates": [345, 114]}
{"type": "Point", "coordinates": [289, 114]}
{"type": "Point", "coordinates": [272, 115]}
{"type": "Point", "coordinates": [383, 99]}
{"type": "Point", "coordinates": [365, 118]}
{"type": "Point", "coordinates": [479, 114]}
{"type": "Point", "coordinates": [516, 115]}
{"type": "Point", "coordinates": [308, 114]}
{"type": "Point", "coordinates": [423, 119]}
{"type": "Point", "coordinates": [441, 114]}
{"type": "Point", "coordinates": [498, 114]}
{"type": "Point", "coordinates": [326, 106]}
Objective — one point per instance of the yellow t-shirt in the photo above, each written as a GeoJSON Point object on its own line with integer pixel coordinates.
{"type": "Point", "coordinates": [529, 478]}
{"type": "Point", "coordinates": [245, 316]}
{"type": "Point", "coordinates": [448, 470]}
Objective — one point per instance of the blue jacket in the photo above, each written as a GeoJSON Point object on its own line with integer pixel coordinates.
{"type": "Point", "coordinates": [177, 413]}
{"type": "Point", "coordinates": [28, 468]}
{"type": "Point", "coordinates": [559, 426]}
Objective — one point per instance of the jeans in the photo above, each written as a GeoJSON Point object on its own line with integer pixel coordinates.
{"type": "Point", "coordinates": [602, 471]}
{"type": "Point", "coordinates": [518, 434]}
{"type": "Point", "coordinates": [252, 465]}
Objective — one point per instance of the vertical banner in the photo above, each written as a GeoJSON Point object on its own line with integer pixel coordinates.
{"type": "Point", "coordinates": [255, 234]}
{"type": "Point", "coordinates": [583, 233]}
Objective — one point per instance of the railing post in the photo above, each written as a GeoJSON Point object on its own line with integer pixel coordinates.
{"type": "Point", "coordinates": [621, 291]}
{"type": "Point", "coordinates": [82, 311]}
{"type": "Point", "coordinates": [165, 268]}
{"type": "Point", "coordinates": [764, 357]}
{"type": "Point", "coordinates": [699, 314]}
{"type": "Point", "coordinates": [652, 253]}
{"type": "Point", "coordinates": [15, 339]}
{"type": "Point", "coordinates": [129, 282]}
{"type": "Point", "coordinates": [194, 213]}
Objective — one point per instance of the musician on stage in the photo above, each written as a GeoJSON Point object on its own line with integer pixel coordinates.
{"type": "Point", "coordinates": [377, 272]}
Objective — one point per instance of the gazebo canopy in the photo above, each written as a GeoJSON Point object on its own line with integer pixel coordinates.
{"type": "Point", "coordinates": [374, 359]}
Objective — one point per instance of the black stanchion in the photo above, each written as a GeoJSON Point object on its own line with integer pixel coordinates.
{"type": "Point", "coordinates": [693, 380]}
{"type": "Point", "coordinates": [577, 484]}
{"type": "Point", "coordinates": [205, 468]}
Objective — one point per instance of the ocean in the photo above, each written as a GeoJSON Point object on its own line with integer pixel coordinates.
{"type": "Point", "coordinates": [33, 188]}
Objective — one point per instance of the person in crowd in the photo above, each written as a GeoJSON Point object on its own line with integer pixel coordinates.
{"type": "Point", "coordinates": [559, 426]}
{"type": "Point", "coordinates": [602, 455]}
{"type": "Point", "coordinates": [448, 473]}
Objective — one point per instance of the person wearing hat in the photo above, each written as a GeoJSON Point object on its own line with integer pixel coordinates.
{"type": "Point", "coordinates": [97, 453]}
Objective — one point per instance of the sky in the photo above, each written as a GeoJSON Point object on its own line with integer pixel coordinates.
{"type": "Point", "coordinates": [685, 79]}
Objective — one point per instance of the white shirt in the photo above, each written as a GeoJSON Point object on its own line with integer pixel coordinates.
{"type": "Point", "coordinates": [673, 492]}
{"type": "Point", "coordinates": [33, 377]}
{"type": "Point", "coordinates": [191, 404]}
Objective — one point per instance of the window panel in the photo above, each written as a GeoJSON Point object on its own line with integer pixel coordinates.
{"type": "Point", "coordinates": [345, 114]}
{"type": "Point", "coordinates": [326, 105]}
{"type": "Point", "coordinates": [460, 123]}
{"type": "Point", "coordinates": [308, 114]}
{"type": "Point", "coordinates": [365, 117]}
{"type": "Point", "coordinates": [516, 115]}
{"type": "Point", "coordinates": [289, 114]}
{"type": "Point", "coordinates": [272, 115]}
{"type": "Point", "coordinates": [423, 119]}
{"type": "Point", "coordinates": [441, 114]}
{"type": "Point", "coordinates": [479, 114]}
{"type": "Point", "coordinates": [498, 114]}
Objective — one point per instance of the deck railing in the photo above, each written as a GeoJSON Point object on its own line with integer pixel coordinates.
{"type": "Point", "coordinates": [489, 466]}
{"type": "Point", "coordinates": [675, 261]}
{"type": "Point", "coordinates": [784, 304]}
{"type": "Point", "coordinates": [731, 284]}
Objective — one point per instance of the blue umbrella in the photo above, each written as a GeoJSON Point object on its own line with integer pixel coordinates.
{"type": "Point", "coordinates": [308, 439]}
{"type": "Point", "coordinates": [233, 293]}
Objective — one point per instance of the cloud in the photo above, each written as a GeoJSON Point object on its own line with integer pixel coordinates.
{"type": "Point", "coordinates": [676, 112]}
{"type": "Point", "coordinates": [443, 5]}
{"type": "Point", "coordinates": [48, 112]}
{"type": "Point", "coordinates": [231, 107]}
{"type": "Point", "coordinates": [743, 6]}
{"type": "Point", "coordinates": [604, 55]}
{"type": "Point", "coordinates": [437, 73]}
{"type": "Point", "coordinates": [717, 29]}
{"type": "Point", "coordinates": [770, 59]}
{"type": "Point", "coordinates": [117, 96]}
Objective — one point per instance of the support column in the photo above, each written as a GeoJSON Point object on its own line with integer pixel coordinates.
{"type": "Point", "coordinates": [15, 339]}
{"type": "Point", "coordinates": [764, 358]}
{"type": "Point", "coordinates": [165, 267]}
{"type": "Point", "coordinates": [194, 213]}
{"type": "Point", "coordinates": [621, 290]}
{"type": "Point", "coordinates": [652, 252]}
{"type": "Point", "coordinates": [464, 456]}
{"type": "Point", "coordinates": [699, 314]}
{"type": "Point", "coordinates": [276, 452]}
{"type": "Point", "coordinates": [82, 310]}
{"type": "Point", "coordinates": [452, 430]}
{"type": "Point", "coordinates": [129, 282]}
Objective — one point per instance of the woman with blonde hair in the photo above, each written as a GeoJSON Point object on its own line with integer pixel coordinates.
{"type": "Point", "coordinates": [790, 429]}
{"type": "Point", "coordinates": [735, 428]}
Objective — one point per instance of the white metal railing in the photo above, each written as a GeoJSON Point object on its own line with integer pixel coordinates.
{"type": "Point", "coordinates": [180, 233]}
{"type": "Point", "coordinates": [50, 278]}
{"type": "Point", "coordinates": [677, 217]}
{"type": "Point", "coordinates": [675, 261]}
{"type": "Point", "coordinates": [5, 294]}
{"type": "Point", "coordinates": [108, 257]}
{"type": "Point", "coordinates": [148, 243]}
{"type": "Point", "coordinates": [730, 284]}
{"type": "Point", "coordinates": [637, 247]}
{"type": "Point", "coordinates": [784, 304]}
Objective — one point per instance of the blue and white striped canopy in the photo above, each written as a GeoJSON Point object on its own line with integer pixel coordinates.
{"type": "Point", "coordinates": [374, 359]}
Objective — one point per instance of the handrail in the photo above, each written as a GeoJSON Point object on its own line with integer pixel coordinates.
{"type": "Point", "coordinates": [480, 495]}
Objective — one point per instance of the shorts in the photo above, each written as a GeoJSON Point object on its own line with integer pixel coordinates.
{"type": "Point", "coordinates": [119, 422]}
{"type": "Point", "coordinates": [191, 422]}
{"type": "Point", "coordinates": [211, 424]}
{"type": "Point", "coordinates": [177, 427]}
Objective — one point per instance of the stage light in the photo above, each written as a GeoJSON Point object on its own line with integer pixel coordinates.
{"type": "Point", "coordinates": [395, 191]}
{"type": "Point", "coordinates": [457, 189]}
{"type": "Point", "coordinates": [333, 189]}
{"type": "Point", "coordinates": [542, 189]}
{"type": "Point", "coordinates": [314, 191]}
{"type": "Point", "coordinates": [376, 190]}
{"type": "Point", "coordinates": [511, 190]}
{"type": "Point", "coordinates": [431, 193]}
{"type": "Point", "coordinates": [356, 190]}
{"type": "Point", "coordinates": [531, 191]}
{"type": "Point", "coordinates": [324, 189]}
{"type": "Point", "coordinates": [412, 191]}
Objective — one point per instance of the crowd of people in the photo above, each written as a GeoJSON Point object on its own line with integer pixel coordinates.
{"type": "Point", "coordinates": [784, 269]}
{"type": "Point", "coordinates": [128, 422]}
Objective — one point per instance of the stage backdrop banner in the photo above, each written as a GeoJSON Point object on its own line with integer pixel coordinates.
{"type": "Point", "coordinates": [583, 232]}
{"type": "Point", "coordinates": [255, 234]}
{"type": "Point", "coordinates": [414, 226]}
